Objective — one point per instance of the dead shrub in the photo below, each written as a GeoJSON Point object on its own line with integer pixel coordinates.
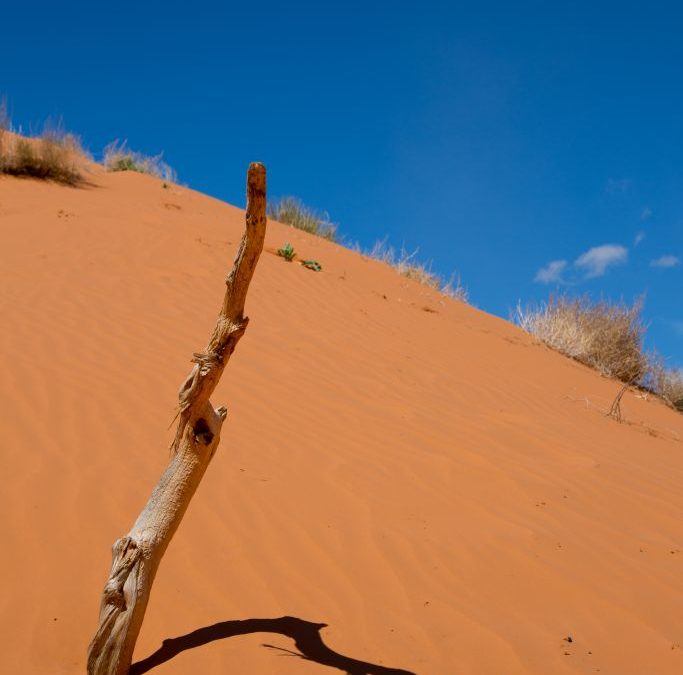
{"type": "Point", "coordinates": [666, 382]}
{"type": "Point", "coordinates": [605, 336]}
{"type": "Point", "coordinates": [53, 156]}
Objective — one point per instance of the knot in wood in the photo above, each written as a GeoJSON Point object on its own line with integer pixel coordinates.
{"type": "Point", "coordinates": [114, 598]}
{"type": "Point", "coordinates": [206, 361]}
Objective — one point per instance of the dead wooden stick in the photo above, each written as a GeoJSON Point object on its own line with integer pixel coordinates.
{"type": "Point", "coordinates": [615, 409]}
{"type": "Point", "coordinates": [137, 555]}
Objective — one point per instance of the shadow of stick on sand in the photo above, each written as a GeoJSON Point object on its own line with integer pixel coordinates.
{"type": "Point", "coordinates": [306, 636]}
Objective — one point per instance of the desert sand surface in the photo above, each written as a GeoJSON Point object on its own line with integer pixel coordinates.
{"type": "Point", "coordinates": [446, 495]}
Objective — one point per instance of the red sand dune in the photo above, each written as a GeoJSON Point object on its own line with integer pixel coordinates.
{"type": "Point", "coordinates": [442, 492]}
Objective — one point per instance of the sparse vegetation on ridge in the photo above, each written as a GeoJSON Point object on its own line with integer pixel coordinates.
{"type": "Point", "coordinates": [605, 336]}
{"type": "Point", "coordinates": [119, 157]}
{"type": "Point", "coordinates": [406, 265]}
{"type": "Point", "coordinates": [291, 211]}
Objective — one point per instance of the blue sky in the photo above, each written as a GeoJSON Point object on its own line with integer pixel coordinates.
{"type": "Point", "coordinates": [528, 146]}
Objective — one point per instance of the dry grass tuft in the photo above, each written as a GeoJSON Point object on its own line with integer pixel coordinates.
{"type": "Point", "coordinates": [666, 382]}
{"type": "Point", "coordinates": [5, 121]}
{"type": "Point", "coordinates": [4, 128]}
{"type": "Point", "coordinates": [453, 288]}
{"type": "Point", "coordinates": [607, 337]}
{"type": "Point", "coordinates": [291, 211]}
{"type": "Point", "coordinates": [52, 156]}
{"type": "Point", "coordinates": [406, 265]}
{"type": "Point", "coordinates": [118, 157]}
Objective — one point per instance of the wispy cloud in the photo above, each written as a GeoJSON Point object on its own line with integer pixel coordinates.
{"type": "Point", "coordinates": [552, 272]}
{"type": "Point", "coordinates": [665, 261]}
{"type": "Point", "coordinates": [618, 185]}
{"type": "Point", "coordinates": [638, 238]}
{"type": "Point", "coordinates": [597, 260]}
{"type": "Point", "coordinates": [646, 213]}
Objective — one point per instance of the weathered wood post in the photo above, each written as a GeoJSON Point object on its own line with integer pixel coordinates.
{"type": "Point", "coordinates": [136, 556]}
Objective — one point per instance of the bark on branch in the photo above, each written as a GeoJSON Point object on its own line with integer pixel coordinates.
{"type": "Point", "coordinates": [136, 556]}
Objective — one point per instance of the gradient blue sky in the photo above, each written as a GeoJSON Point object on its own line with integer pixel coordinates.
{"type": "Point", "coordinates": [496, 137]}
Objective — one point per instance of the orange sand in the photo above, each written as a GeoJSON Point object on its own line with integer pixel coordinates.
{"type": "Point", "coordinates": [443, 493]}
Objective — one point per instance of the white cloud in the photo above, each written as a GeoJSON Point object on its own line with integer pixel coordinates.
{"type": "Point", "coordinates": [596, 261]}
{"type": "Point", "coordinates": [552, 272]}
{"type": "Point", "coordinates": [646, 213]}
{"type": "Point", "coordinates": [638, 238]}
{"type": "Point", "coordinates": [665, 261]}
{"type": "Point", "coordinates": [615, 185]}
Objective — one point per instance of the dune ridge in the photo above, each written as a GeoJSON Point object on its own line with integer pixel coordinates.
{"type": "Point", "coordinates": [442, 492]}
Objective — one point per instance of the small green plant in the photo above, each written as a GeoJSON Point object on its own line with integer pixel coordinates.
{"type": "Point", "coordinates": [291, 211]}
{"type": "Point", "coordinates": [165, 186]}
{"type": "Point", "coordinates": [312, 265]}
{"type": "Point", "coordinates": [124, 163]}
{"type": "Point", "coordinates": [287, 252]}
